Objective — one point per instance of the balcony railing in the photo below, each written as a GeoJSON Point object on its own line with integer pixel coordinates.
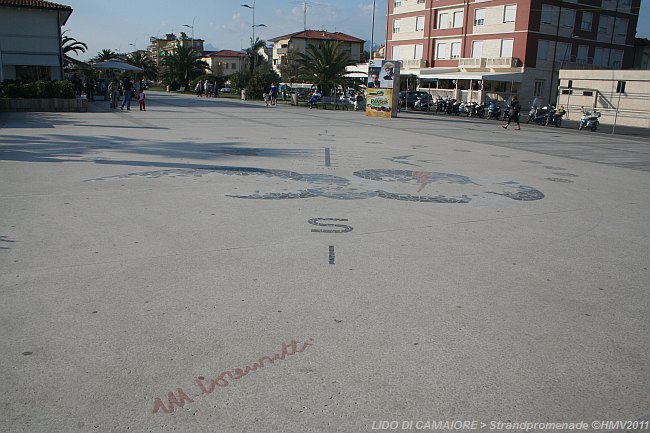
{"type": "Point", "coordinates": [282, 50]}
{"type": "Point", "coordinates": [471, 63]}
{"type": "Point", "coordinates": [414, 64]}
{"type": "Point", "coordinates": [502, 62]}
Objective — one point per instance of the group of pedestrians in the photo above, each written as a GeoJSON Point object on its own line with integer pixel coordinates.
{"type": "Point", "coordinates": [206, 89]}
{"type": "Point", "coordinates": [127, 91]}
{"type": "Point", "coordinates": [271, 97]}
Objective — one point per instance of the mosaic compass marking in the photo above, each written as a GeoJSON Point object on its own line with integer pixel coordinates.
{"type": "Point", "coordinates": [342, 188]}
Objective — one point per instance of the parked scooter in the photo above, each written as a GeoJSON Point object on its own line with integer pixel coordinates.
{"type": "Point", "coordinates": [493, 110]}
{"type": "Point", "coordinates": [461, 108]}
{"type": "Point", "coordinates": [589, 120]}
{"type": "Point", "coordinates": [439, 104]}
{"type": "Point", "coordinates": [538, 115]}
{"type": "Point", "coordinates": [554, 116]}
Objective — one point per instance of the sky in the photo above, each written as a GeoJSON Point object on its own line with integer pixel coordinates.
{"type": "Point", "coordinates": [120, 25]}
{"type": "Point", "coordinates": [223, 24]}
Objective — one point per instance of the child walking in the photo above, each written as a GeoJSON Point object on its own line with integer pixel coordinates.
{"type": "Point", "coordinates": [141, 99]}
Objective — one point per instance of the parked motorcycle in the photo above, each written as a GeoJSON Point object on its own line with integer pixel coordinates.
{"type": "Point", "coordinates": [589, 120]}
{"type": "Point", "coordinates": [493, 110]}
{"type": "Point", "coordinates": [554, 116]}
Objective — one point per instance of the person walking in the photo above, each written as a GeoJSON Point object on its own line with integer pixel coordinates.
{"type": "Point", "coordinates": [274, 94]}
{"type": "Point", "coordinates": [515, 108]}
{"type": "Point", "coordinates": [90, 90]}
{"type": "Point", "coordinates": [199, 89]}
{"type": "Point", "coordinates": [128, 93]}
{"type": "Point", "coordinates": [206, 88]}
{"type": "Point", "coordinates": [141, 99]}
{"type": "Point", "coordinates": [113, 93]}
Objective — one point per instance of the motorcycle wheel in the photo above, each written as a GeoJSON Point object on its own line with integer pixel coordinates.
{"type": "Point", "coordinates": [558, 123]}
{"type": "Point", "coordinates": [489, 116]}
{"type": "Point", "coordinates": [593, 128]}
{"type": "Point", "coordinates": [580, 127]}
{"type": "Point", "coordinates": [529, 120]}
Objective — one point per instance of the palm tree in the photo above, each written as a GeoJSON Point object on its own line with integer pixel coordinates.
{"type": "Point", "coordinates": [253, 53]}
{"type": "Point", "coordinates": [142, 60]}
{"type": "Point", "coordinates": [184, 65]}
{"type": "Point", "coordinates": [69, 44]}
{"type": "Point", "coordinates": [105, 55]}
{"type": "Point", "coordinates": [326, 65]}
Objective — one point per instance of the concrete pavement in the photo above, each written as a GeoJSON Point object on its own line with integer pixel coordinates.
{"type": "Point", "coordinates": [216, 265]}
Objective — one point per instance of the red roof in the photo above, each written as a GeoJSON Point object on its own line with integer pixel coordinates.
{"type": "Point", "coordinates": [319, 34]}
{"type": "Point", "coordinates": [224, 53]}
{"type": "Point", "coordinates": [38, 4]}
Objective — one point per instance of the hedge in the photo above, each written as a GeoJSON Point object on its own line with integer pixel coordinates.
{"type": "Point", "coordinates": [37, 89]}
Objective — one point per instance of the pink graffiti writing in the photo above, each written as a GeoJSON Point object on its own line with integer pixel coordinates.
{"type": "Point", "coordinates": [227, 377]}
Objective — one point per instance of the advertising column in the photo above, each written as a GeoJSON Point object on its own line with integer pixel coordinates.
{"type": "Point", "coordinates": [383, 85]}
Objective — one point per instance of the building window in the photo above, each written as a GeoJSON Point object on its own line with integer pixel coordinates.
{"type": "Point", "coordinates": [568, 18]}
{"type": "Point", "coordinates": [421, 2]}
{"type": "Point", "coordinates": [506, 47]}
{"type": "Point", "coordinates": [587, 18]}
{"type": "Point", "coordinates": [419, 24]}
{"type": "Point", "coordinates": [33, 73]}
{"type": "Point", "coordinates": [395, 26]}
{"type": "Point", "coordinates": [396, 53]}
{"type": "Point", "coordinates": [477, 49]}
{"type": "Point", "coordinates": [616, 59]}
{"type": "Point", "coordinates": [443, 20]}
{"type": "Point", "coordinates": [417, 54]}
{"type": "Point", "coordinates": [547, 14]}
{"type": "Point", "coordinates": [604, 24]}
{"type": "Point", "coordinates": [509, 13]}
{"type": "Point", "coordinates": [620, 87]}
{"type": "Point", "coordinates": [442, 52]}
{"type": "Point", "coordinates": [234, 66]}
{"type": "Point", "coordinates": [563, 52]}
{"type": "Point", "coordinates": [458, 19]}
{"type": "Point", "coordinates": [599, 57]}
{"type": "Point", "coordinates": [397, 4]}
{"type": "Point", "coordinates": [479, 17]}
{"type": "Point", "coordinates": [587, 93]}
{"type": "Point", "coordinates": [539, 88]}
{"type": "Point", "coordinates": [455, 50]}
{"type": "Point", "coordinates": [620, 27]}
{"type": "Point", "coordinates": [542, 49]}
{"type": "Point", "coordinates": [583, 54]}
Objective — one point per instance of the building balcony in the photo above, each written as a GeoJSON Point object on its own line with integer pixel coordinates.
{"type": "Point", "coordinates": [414, 63]}
{"type": "Point", "coordinates": [471, 63]}
{"type": "Point", "coordinates": [282, 50]}
{"type": "Point", "coordinates": [502, 62]}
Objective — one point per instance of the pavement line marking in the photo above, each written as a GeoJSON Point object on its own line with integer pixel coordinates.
{"type": "Point", "coordinates": [328, 162]}
{"type": "Point", "coordinates": [331, 254]}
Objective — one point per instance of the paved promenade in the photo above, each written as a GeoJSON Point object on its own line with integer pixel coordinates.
{"type": "Point", "coordinates": [215, 265]}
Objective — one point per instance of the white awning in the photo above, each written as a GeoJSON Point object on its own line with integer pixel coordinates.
{"type": "Point", "coordinates": [486, 76]}
{"type": "Point", "coordinates": [29, 59]}
{"type": "Point", "coordinates": [357, 74]}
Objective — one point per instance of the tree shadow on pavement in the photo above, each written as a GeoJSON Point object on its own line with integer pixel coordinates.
{"type": "Point", "coordinates": [67, 148]}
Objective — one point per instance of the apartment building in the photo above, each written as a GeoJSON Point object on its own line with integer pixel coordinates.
{"type": "Point", "coordinates": [167, 46]}
{"type": "Point", "coordinates": [227, 62]}
{"type": "Point", "coordinates": [491, 49]}
{"type": "Point", "coordinates": [299, 42]}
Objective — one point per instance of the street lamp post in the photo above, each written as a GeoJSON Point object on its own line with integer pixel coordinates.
{"type": "Point", "coordinates": [191, 27]}
{"type": "Point", "coordinates": [372, 32]}
{"type": "Point", "coordinates": [252, 8]}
